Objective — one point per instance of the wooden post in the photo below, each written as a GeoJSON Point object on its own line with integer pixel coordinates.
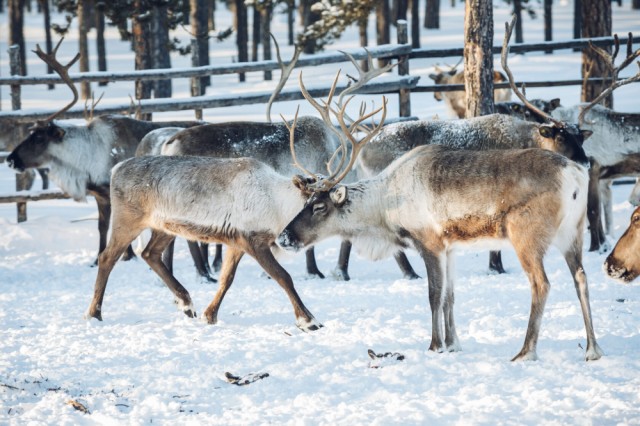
{"type": "Point", "coordinates": [196, 89]}
{"type": "Point", "coordinates": [23, 180]}
{"type": "Point", "coordinates": [403, 69]}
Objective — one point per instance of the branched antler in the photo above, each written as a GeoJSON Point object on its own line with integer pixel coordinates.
{"type": "Point", "coordinates": [514, 87]}
{"type": "Point", "coordinates": [284, 75]}
{"type": "Point", "coordinates": [63, 72]}
{"type": "Point", "coordinates": [609, 61]}
{"type": "Point", "coordinates": [88, 112]}
{"type": "Point", "coordinates": [345, 136]}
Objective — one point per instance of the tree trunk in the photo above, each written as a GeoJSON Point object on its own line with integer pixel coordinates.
{"type": "Point", "coordinates": [291, 17]}
{"type": "Point", "coordinates": [83, 47]}
{"type": "Point", "coordinates": [364, 40]}
{"type": "Point", "coordinates": [517, 10]}
{"type": "Point", "coordinates": [383, 27]}
{"type": "Point", "coordinates": [255, 34]}
{"type": "Point", "coordinates": [548, 23]}
{"type": "Point", "coordinates": [399, 10]}
{"type": "Point", "coordinates": [200, 28]}
{"type": "Point", "coordinates": [415, 23]}
{"type": "Point", "coordinates": [265, 20]}
{"type": "Point", "coordinates": [212, 15]}
{"type": "Point", "coordinates": [242, 36]}
{"type": "Point", "coordinates": [16, 30]}
{"type": "Point", "coordinates": [44, 4]}
{"type": "Point", "coordinates": [577, 20]}
{"type": "Point", "coordinates": [635, 4]}
{"type": "Point", "coordinates": [159, 43]}
{"type": "Point", "coordinates": [308, 18]}
{"type": "Point", "coordinates": [478, 59]}
{"type": "Point", "coordinates": [101, 45]}
{"type": "Point", "coordinates": [432, 14]}
{"type": "Point", "coordinates": [595, 25]}
{"type": "Point", "coordinates": [141, 48]}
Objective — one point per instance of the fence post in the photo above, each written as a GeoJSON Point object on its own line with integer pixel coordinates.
{"type": "Point", "coordinates": [403, 69]}
{"type": "Point", "coordinates": [196, 88]}
{"type": "Point", "coordinates": [23, 180]}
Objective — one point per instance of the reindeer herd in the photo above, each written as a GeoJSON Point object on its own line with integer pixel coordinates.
{"type": "Point", "coordinates": [530, 176]}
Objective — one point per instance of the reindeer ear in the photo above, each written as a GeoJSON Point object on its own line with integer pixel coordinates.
{"type": "Point", "coordinates": [586, 133]}
{"type": "Point", "coordinates": [55, 132]}
{"type": "Point", "coordinates": [302, 183]}
{"type": "Point", "coordinates": [433, 77]}
{"type": "Point", "coordinates": [339, 195]}
{"type": "Point", "coordinates": [554, 103]}
{"type": "Point", "coordinates": [515, 107]}
{"type": "Point", "coordinates": [546, 131]}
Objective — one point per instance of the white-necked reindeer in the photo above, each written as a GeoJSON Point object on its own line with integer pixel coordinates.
{"type": "Point", "coordinates": [240, 202]}
{"type": "Point", "coordinates": [435, 198]}
{"type": "Point", "coordinates": [623, 263]}
{"type": "Point", "coordinates": [80, 157]}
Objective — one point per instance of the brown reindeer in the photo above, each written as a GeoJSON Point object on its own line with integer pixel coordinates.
{"type": "Point", "coordinates": [240, 202]}
{"type": "Point", "coordinates": [455, 100]}
{"type": "Point", "coordinates": [623, 263]}
{"type": "Point", "coordinates": [80, 157]}
{"type": "Point", "coordinates": [435, 198]}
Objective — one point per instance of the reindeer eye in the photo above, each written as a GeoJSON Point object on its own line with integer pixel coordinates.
{"type": "Point", "coordinates": [635, 218]}
{"type": "Point", "coordinates": [319, 208]}
{"type": "Point", "coordinates": [560, 138]}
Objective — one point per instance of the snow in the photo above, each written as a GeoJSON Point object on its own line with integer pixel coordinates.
{"type": "Point", "coordinates": [148, 363]}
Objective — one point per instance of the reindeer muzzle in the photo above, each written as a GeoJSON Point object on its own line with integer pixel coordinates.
{"type": "Point", "coordinates": [15, 163]}
{"type": "Point", "coordinates": [288, 241]}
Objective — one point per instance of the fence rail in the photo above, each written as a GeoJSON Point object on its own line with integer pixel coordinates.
{"type": "Point", "coordinates": [403, 84]}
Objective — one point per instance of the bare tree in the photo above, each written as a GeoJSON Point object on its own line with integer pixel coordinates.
{"type": "Point", "coordinates": [415, 23]}
{"type": "Point", "coordinates": [16, 30]}
{"type": "Point", "coordinates": [595, 25]}
{"type": "Point", "coordinates": [266, 10]}
{"type": "Point", "coordinates": [141, 48]}
{"type": "Point", "coordinates": [159, 43]}
{"type": "Point", "coordinates": [432, 14]}
{"type": "Point", "coordinates": [383, 26]}
{"type": "Point", "coordinates": [199, 20]}
{"type": "Point", "coordinates": [83, 45]}
{"type": "Point", "coordinates": [101, 45]}
{"type": "Point", "coordinates": [242, 36]}
{"type": "Point", "coordinates": [478, 71]}
{"type": "Point", "coordinates": [548, 23]}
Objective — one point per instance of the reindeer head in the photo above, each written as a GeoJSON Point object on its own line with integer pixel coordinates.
{"type": "Point", "coordinates": [326, 196]}
{"type": "Point", "coordinates": [443, 77]}
{"type": "Point", "coordinates": [33, 151]}
{"type": "Point", "coordinates": [559, 136]}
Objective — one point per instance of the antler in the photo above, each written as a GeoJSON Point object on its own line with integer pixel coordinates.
{"type": "Point", "coordinates": [88, 112]}
{"type": "Point", "coordinates": [62, 71]}
{"type": "Point", "coordinates": [284, 75]}
{"type": "Point", "coordinates": [609, 60]}
{"type": "Point", "coordinates": [325, 184]}
{"type": "Point", "coordinates": [363, 76]}
{"type": "Point", "coordinates": [520, 95]}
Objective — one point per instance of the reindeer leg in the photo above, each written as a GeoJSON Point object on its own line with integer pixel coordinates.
{"type": "Point", "coordinates": [217, 258]}
{"type": "Point", "coordinates": [312, 266]}
{"type": "Point", "coordinates": [202, 265]}
{"type": "Point", "coordinates": [574, 260]}
{"type": "Point", "coordinates": [44, 175]}
{"type": "Point", "coordinates": [533, 267]}
{"type": "Point", "coordinates": [607, 206]}
{"type": "Point", "coordinates": [436, 276]}
{"type": "Point", "coordinates": [341, 270]}
{"type": "Point", "coordinates": [227, 274]}
{"type": "Point", "coordinates": [120, 239]}
{"type": "Point", "coordinates": [152, 254]}
{"type": "Point", "coordinates": [495, 262]}
{"type": "Point", "coordinates": [405, 266]}
{"type": "Point", "coordinates": [167, 256]}
{"type": "Point", "coordinates": [593, 208]}
{"type": "Point", "coordinates": [304, 319]}
{"type": "Point", "coordinates": [450, 336]}
{"type": "Point", "coordinates": [103, 202]}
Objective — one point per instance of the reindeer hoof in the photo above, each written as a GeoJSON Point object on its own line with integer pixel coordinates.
{"type": "Point", "coordinates": [412, 276]}
{"type": "Point", "coordinates": [93, 314]}
{"type": "Point", "coordinates": [210, 318]}
{"type": "Point", "coordinates": [526, 356]}
{"type": "Point", "coordinates": [594, 353]}
{"type": "Point", "coordinates": [308, 325]}
{"type": "Point", "coordinates": [340, 274]}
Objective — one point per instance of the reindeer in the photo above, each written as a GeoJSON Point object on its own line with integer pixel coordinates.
{"type": "Point", "coordinates": [494, 131]}
{"type": "Point", "coordinates": [435, 198]}
{"type": "Point", "coordinates": [623, 263]}
{"type": "Point", "coordinates": [240, 202]}
{"type": "Point", "coordinates": [520, 110]}
{"type": "Point", "coordinates": [80, 157]}
{"type": "Point", "coordinates": [455, 100]}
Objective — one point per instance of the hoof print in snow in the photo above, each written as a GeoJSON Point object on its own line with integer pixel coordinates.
{"type": "Point", "coordinates": [382, 359]}
{"type": "Point", "coordinates": [246, 380]}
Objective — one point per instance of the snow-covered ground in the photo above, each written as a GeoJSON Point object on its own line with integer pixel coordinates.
{"type": "Point", "coordinates": [148, 363]}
